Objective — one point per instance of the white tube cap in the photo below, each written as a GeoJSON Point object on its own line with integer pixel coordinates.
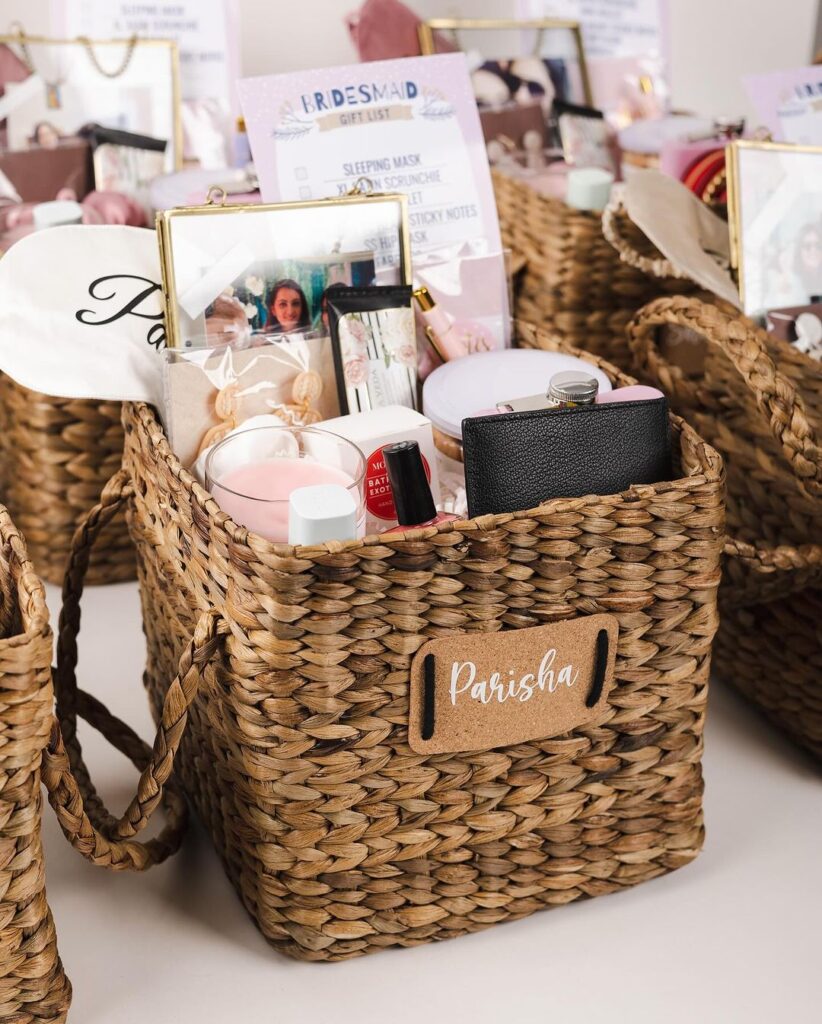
{"type": "Point", "coordinates": [57, 211]}
{"type": "Point", "coordinates": [321, 512]}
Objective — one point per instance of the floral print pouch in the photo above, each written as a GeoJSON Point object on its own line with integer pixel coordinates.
{"type": "Point", "coordinates": [375, 349]}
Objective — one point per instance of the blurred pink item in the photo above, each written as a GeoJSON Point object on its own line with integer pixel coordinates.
{"type": "Point", "coordinates": [553, 181]}
{"type": "Point", "coordinates": [98, 208]}
{"type": "Point", "coordinates": [12, 69]}
{"type": "Point", "coordinates": [629, 89]}
{"type": "Point", "coordinates": [630, 393]}
{"type": "Point", "coordinates": [17, 221]}
{"type": "Point", "coordinates": [113, 208]}
{"type": "Point", "coordinates": [12, 235]}
{"type": "Point", "coordinates": [428, 359]}
{"type": "Point", "coordinates": [18, 216]}
{"type": "Point", "coordinates": [386, 29]}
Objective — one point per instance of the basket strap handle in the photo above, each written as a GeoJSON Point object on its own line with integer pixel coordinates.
{"type": "Point", "coordinates": [782, 570]}
{"type": "Point", "coordinates": [614, 216]}
{"type": "Point", "coordinates": [746, 346]}
{"type": "Point", "coordinates": [83, 817]}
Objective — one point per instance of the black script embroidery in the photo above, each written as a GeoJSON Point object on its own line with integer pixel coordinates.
{"type": "Point", "coordinates": [129, 300]}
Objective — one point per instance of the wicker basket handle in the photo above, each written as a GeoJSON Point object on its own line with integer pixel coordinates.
{"type": "Point", "coordinates": [614, 216]}
{"type": "Point", "coordinates": [745, 345]}
{"type": "Point", "coordinates": [83, 817]}
{"type": "Point", "coordinates": [781, 571]}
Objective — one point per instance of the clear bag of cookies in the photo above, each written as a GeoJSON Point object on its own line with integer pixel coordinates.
{"type": "Point", "coordinates": [211, 391]}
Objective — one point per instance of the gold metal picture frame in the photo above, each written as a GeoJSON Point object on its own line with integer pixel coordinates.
{"type": "Point", "coordinates": [216, 206]}
{"type": "Point", "coordinates": [21, 40]}
{"type": "Point", "coordinates": [735, 211]}
{"type": "Point", "coordinates": [427, 35]}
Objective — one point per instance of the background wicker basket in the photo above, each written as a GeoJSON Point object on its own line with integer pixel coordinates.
{"type": "Point", "coordinates": [33, 987]}
{"type": "Point", "coordinates": [575, 284]}
{"type": "Point", "coordinates": [290, 669]}
{"type": "Point", "coordinates": [55, 456]}
{"type": "Point", "coordinates": [758, 400]}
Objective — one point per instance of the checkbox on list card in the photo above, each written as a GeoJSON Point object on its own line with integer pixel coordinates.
{"type": "Point", "coordinates": [305, 192]}
{"type": "Point", "coordinates": [301, 173]}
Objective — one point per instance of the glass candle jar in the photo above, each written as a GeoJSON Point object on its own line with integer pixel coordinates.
{"type": "Point", "coordinates": [252, 473]}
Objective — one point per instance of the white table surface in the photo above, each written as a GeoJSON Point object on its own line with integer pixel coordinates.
{"type": "Point", "coordinates": [733, 937]}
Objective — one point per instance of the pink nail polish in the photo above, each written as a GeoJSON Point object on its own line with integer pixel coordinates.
{"type": "Point", "coordinates": [409, 485]}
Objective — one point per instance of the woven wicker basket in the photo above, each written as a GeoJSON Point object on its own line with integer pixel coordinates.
{"type": "Point", "coordinates": [759, 401]}
{"type": "Point", "coordinates": [339, 839]}
{"type": "Point", "coordinates": [55, 456]}
{"type": "Point", "coordinates": [575, 284]}
{"type": "Point", "coordinates": [33, 986]}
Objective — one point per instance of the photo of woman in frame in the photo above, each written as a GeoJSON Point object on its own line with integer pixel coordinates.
{"type": "Point", "coordinates": [284, 296]}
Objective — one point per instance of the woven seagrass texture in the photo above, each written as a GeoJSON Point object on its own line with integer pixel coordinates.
{"type": "Point", "coordinates": [758, 400]}
{"type": "Point", "coordinates": [772, 654]}
{"type": "Point", "coordinates": [33, 987]}
{"type": "Point", "coordinates": [338, 838]}
{"type": "Point", "coordinates": [575, 284]}
{"type": "Point", "coordinates": [55, 456]}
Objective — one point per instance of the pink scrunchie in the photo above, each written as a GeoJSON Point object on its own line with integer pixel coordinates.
{"type": "Point", "coordinates": [98, 208]}
{"type": "Point", "coordinates": [110, 208]}
{"type": "Point", "coordinates": [387, 29]}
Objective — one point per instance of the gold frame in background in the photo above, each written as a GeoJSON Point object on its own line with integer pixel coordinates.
{"type": "Point", "coordinates": [164, 218]}
{"type": "Point", "coordinates": [15, 38]}
{"type": "Point", "coordinates": [428, 46]}
{"type": "Point", "coordinates": [735, 196]}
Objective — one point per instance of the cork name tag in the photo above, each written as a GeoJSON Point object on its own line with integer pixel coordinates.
{"type": "Point", "coordinates": [477, 691]}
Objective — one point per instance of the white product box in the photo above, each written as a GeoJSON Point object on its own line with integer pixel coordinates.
{"type": "Point", "coordinates": [371, 432]}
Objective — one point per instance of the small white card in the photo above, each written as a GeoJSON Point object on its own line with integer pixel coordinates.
{"type": "Point", "coordinates": [408, 126]}
{"type": "Point", "coordinates": [789, 104]}
{"type": "Point", "coordinates": [205, 30]}
{"type": "Point", "coordinates": [610, 28]}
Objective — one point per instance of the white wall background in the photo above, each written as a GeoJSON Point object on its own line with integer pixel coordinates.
{"type": "Point", "coordinates": [713, 42]}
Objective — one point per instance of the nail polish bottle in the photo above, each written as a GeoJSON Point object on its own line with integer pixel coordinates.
{"type": "Point", "coordinates": [409, 485]}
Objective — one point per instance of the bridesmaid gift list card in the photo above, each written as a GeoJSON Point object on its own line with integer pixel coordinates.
{"type": "Point", "coordinates": [406, 125]}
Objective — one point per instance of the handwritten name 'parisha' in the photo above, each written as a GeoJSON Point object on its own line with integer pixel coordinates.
{"type": "Point", "coordinates": [499, 688]}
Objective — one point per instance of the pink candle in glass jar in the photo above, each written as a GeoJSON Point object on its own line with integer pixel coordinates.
{"type": "Point", "coordinates": [257, 495]}
{"type": "Point", "coordinates": [253, 472]}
